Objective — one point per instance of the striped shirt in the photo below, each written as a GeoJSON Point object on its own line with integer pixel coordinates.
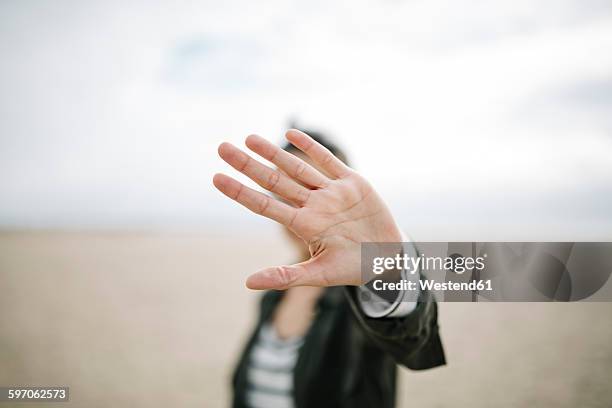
{"type": "Point", "coordinates": [270, 370]}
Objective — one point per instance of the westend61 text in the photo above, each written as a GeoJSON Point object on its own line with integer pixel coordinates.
{"type": "Point", "coordinates": [429, 284]}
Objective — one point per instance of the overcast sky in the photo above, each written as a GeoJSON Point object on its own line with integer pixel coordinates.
{"type": "Point", "coordinates": [459, 112]}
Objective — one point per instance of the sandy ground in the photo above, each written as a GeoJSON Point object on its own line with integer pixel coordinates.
{"type": "Point", "coordinates": [158, 319]}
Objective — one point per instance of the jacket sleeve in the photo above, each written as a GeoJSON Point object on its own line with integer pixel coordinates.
{"type": "Point", "coordinates": [413, 340]}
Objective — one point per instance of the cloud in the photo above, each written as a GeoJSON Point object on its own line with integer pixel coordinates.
{"type": "Point", "coordinates": [110, 112]}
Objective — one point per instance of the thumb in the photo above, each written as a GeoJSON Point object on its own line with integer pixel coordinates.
{"type": "Point", "coordinates": [307, 273]}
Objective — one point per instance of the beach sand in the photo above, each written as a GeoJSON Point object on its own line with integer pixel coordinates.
{"type": "Point", "coordinates": [158, 319]}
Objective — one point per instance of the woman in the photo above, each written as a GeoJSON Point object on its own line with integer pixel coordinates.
{"type": "Point", "coordinates": [319, 340]}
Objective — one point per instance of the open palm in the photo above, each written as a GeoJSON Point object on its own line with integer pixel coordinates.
{"type": "Point", "coordinates": [333, 210]}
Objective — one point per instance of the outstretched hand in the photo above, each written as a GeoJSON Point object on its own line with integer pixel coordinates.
{"type": "Point", "coordinates": [333, 210]}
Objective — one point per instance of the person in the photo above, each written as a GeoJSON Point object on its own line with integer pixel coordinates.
{"type": "Point", "coordinates": [318, 342]}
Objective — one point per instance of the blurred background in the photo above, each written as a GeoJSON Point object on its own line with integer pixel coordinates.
{"type": "Point", "coordinates": [122, 269]}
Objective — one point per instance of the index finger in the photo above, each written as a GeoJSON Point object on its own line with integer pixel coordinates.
{"type": "Point", "coordinates": [255, 201]}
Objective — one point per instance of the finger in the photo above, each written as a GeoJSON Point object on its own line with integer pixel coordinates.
{"type": "Point", "coordinates": [318, 153]}
{"type": "Point", "coordinates": [255, 201]}
{"type": "Point", "coordinates": [287, 162]}
{"type": "Point", "coordinates": [269, 179]}
{"type": "Point", "coordinates": [308, 273]}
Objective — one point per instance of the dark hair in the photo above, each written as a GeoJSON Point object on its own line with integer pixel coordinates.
{"type": "Point", "coordinates": [321, 139]}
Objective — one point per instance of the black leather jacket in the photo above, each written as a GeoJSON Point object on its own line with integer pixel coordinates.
{"type": "Point", "coordinates": [349, 359]}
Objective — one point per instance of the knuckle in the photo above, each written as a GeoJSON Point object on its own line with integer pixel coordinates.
{"type": "Point", "coordinates": [308, 145]}
{"type": "Point", "coordinates": [327, 159]}
{"type": "Point", "coordinates": [303, 195]}
{"type": "Point", "coordinates": [291, 222]}
{"type": "Point", "coordinates": [245, 163]}
{"type": "Point", "coordinates": [238, 193]}
{"type": "Point", "coordinates": [274, 155]}
{"type": "Point", "coordinates": [273, 179]}
{"type": "Point", "coordinates": [300, 169]}
{"type": "Point", "coordinates": [285, 275]}
{"type": "Point", "coordinates": [263, 206]}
